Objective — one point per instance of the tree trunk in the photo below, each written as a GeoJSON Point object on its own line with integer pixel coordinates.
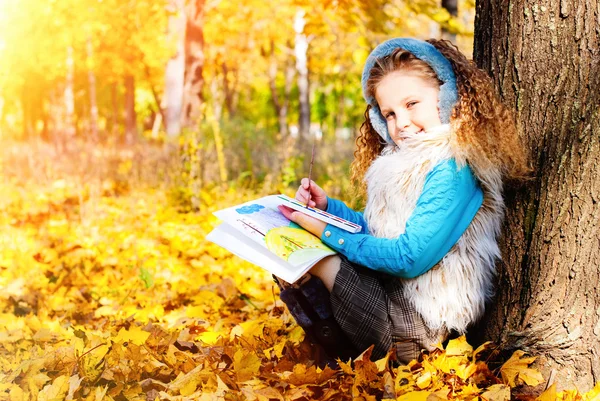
{"type": "Point", "coordinates": [452, 7]}
{"type": "Point", "coordinates": [194, 63]}
{"type": "Point", "coordinates": [290, 72]}
{"type": "Point", "coordinates": [130, 116]}
{"type": "Point", "coordinates": [92, 88]}
{"type": "Point", "coordinates": [115, 109]}
{"type": "Point", "coordinates": [172, 102]}
{"type": "Point", "coordinates": [301, 51]}
{"type": "Point", "coordinates": [69, 98]}
{"type": "Point", "coordinates": [545, 63]}
{"type": "Point", "coordinates": [230, 82]}
{"type": "Point", "coordinates": [280, 105]}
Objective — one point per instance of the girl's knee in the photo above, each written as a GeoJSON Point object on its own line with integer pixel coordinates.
{"type": "Point", "coordinates": [327, 269]}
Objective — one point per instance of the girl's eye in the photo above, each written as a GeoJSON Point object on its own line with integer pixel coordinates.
{"type": "Point", "coordinates": [410, 104]}
{"type": "Point", "coordinates": [389, 115]}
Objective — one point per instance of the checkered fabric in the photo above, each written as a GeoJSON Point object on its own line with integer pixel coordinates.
{"type": "Point", "coordinates": [370, 307]}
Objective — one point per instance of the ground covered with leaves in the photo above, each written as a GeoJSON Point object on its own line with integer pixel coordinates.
{"type": "Point", "coordinates": [111, 292]}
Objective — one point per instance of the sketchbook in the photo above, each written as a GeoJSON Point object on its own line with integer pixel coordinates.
{"type": "Point", "coordinates": [258, 232]}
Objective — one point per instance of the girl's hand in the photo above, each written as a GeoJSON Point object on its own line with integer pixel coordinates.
{"type": "Point", "coordinates": [303, 220]}
{"type": "Point", "coordinates": [318, 197]}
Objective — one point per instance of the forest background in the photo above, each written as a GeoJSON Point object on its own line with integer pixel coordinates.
{"type": "Point", "coordinates": [123, 125]}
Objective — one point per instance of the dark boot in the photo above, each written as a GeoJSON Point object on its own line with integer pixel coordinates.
{"type": "Point", "coordinates": [309, 304]}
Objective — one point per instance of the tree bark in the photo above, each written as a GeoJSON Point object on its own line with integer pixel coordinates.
{"type": "Point", "coordinates": [452, 7]}
{"type": "Point", "coordinates": [172, 102]}
{"type": "Point", "coordinates": [301, 51]}
{"type": "Point", "coordinates": [230, 83]}
{"type": "Point", "coordinates": [115, 109]}
{"type": "Point", "coordinates": [194, 63]}
{"type": "Point", "coordinates": [92, 88]}
{"type": "Point", "coordinates": [544, 58]}
{"type": "Point", "coordinates": [280, 105]}
{"type": "Point", "coordinates": [130, 115]}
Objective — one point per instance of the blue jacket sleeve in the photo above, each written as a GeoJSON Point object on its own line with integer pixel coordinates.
{"type": "Point", "coordinates": [448, 203]}
{"type": "Point", "coordinates": [339, 209]}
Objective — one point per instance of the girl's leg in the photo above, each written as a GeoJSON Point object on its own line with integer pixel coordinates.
{"type": "Point", "coordinates": [326, 269]}
{"type": "Point", "coordinates": [308, 301]}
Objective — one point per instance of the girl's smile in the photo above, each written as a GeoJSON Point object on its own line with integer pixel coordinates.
{"type": "Point", "coordinates": [409, 104]}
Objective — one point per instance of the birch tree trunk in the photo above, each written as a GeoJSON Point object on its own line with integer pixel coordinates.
{"type": "Point", "coordinates": [194, 63]}
{"type": "Point", "coordinates": [172, 102]}
{"type": "Point", "coordinates": [130, 116]}
{"type": "Point", "coordinates": [301, 52]}
{"type": "Point", "coordinates": [544, 58]}
{"type": "Point", "coordinates": [69, 99]}
{"type": "Point", "coordinates": [92, 89]}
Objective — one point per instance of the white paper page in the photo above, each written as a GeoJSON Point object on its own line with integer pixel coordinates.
{"type": "Point", "coordinates": [261, 222]}
{"type": "Point", "coordinates": [237, 243]}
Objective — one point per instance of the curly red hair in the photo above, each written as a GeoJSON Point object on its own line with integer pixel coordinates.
{"type": "Point", "coordinates": [485, 129]}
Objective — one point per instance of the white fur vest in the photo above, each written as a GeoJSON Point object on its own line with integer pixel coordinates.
{"type": "Point", "coordinates": [453, 293]}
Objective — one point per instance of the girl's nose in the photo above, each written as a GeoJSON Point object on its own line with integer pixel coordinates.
{"type": "Point", "coordinates": [402, 122]}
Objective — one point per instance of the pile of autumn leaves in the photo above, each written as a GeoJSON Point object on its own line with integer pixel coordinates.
{"type": "Point", "coordinates": [119, 297]}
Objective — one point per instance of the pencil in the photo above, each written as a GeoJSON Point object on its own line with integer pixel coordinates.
{"type": "Point", "coordinates": [312, 159]}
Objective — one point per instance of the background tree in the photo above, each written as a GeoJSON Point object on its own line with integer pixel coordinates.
{"type": "Point", "coordinates": [544, 58]}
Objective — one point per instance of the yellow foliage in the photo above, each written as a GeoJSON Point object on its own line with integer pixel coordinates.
{"type": "Point", "coordinates": [79, 320]}
{"type": "Point", "coordinates": [517, 370]}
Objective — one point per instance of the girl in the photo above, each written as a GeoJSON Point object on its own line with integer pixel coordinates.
{"type": "Point", "coordinates": [431, 156]}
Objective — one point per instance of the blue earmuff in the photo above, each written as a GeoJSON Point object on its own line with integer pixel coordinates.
{"type": "Point", "coordinates": [428, 53]}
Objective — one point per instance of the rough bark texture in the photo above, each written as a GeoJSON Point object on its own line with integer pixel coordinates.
{"type": "Point", "coordinates": [544, 58]}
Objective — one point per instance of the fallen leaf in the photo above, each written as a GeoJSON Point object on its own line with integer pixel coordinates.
{"type": "Point", "coordinates": [497, 392]}
{"type": "Point", "coordinates": [458, 347]}
{"type": "Point", "coordinates": [55, 391]}
{"type": "Point", "coordinates": [246, 364]}
{"type": "Point", "coordinates": [548, 395]}
{"type": "Point", "coordinates": [414, 396]}
{"type": "Point", "coordinates": [517, 369]}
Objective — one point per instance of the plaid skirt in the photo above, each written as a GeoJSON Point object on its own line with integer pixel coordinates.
{"type": "Point", "coordinates": [371, 308]}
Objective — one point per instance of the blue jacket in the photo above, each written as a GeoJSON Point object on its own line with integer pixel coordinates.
{"type": "Point", "coordinates": [448, 203]}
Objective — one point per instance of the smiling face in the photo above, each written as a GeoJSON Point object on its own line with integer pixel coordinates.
{"type": "Point", "coordinates": [408, 102]}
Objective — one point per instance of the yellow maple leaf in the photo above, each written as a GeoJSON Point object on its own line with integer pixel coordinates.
{"type": "Point", "coordinates": [249, 330]}
{"type": "Point", "coordinates": [296, 335]}
{"type": "Point", "coordinates": [134, 335]}
{"type": "Point", "coordinates": [189, 387]}
{"type": "Point", "coordinates": [517, 369]}
{"type": "Point", "coordinates": [209, 337]}
{"type": "Point", "coordinates": [55, 391]}
{"type": "Point", "coordinates": [414, 396]}
{"type": "Point", "coordinates": [497, 392]}
{"type": "Point", "coordinates": [91, 364]}
{"type": "Point", "coordinates": [383, 362]}
{"type": "Point", "coordinates": [424, 380]}
{"type": "Point", "coordinates": [548, 395]}
{"type": "Point", "coordinates": [17, 394]}
{"type": "Point", "coordinates": [346, 368]}
{"type": "Point", "coordinates": [458, 347]}
{"type": "Point", "coordinates": [481, 348]}
{"type": "Point", "coordinates": [246, 364]}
